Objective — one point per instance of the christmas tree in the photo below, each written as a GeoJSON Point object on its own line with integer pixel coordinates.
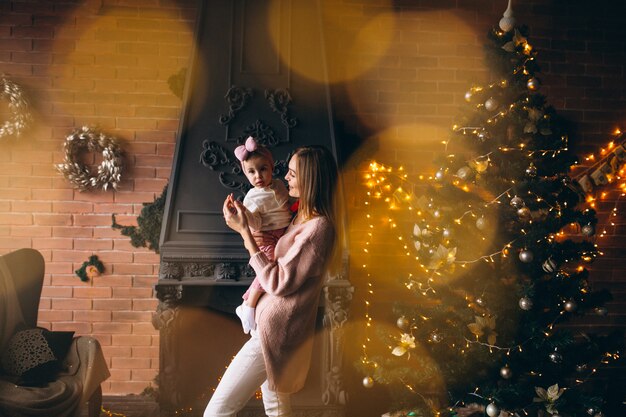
{"type": "Point", "coordinates": [495, 249]}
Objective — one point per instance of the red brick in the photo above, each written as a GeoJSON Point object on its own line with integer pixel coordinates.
{"type": "Point", "coordinates": [132, 269]}
{"type": "Point", "coordinates": [53, 219]}
{"type": "Point", "coordinates": [73, 232]}
{"type": "Point", "coordinates": [145, 305]}
{"type": "Point", "coordinates": [134, 293]}
{"type": "Point", "coordinates": [92, 220]}
{"type": "Point", "coordinates": [32, 231]}
{"type": "Point", "coordinates": [71, 304]}
{"type": "Point", "coordinates": [79, 328]}
{"type": "Point", "coordinates": [131, 340]}
{"type": "Point", "coordinates": [56, 292]}
{"type": "Point", "coordinates": [112, 305]}
{"type": "Point", "coordinates": [71, 255]}
{"type": "Point", "coordinates": [54, 315]}
{"type": "Point", "coordinates": [15, 219]}
{"type": "Point", "coordinates": [92, 316]}
{"type": "Point", "coordinates": [93, 244]}
{"type": "Point", "coordinates": [143, 374]}
{"type": "Point", "coordinates": [151, 352]}
{"type": "Point", "coordinates": [92, 292]}
{"type": "Point", "coordinates": [144, 328]}
{"type": "Point", "coordinates": [132, 316]}
{"type": "Point", "coordinates": [112, 328]}
{"type": "Point", "coordinates": [117, 374]}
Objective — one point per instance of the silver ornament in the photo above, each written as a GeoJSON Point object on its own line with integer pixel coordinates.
{"type": "Point", "coordinates": [517, 202]}
{"type": "Point", "coordinates": [482, 135]}
{"type": "Point", "coordinates": [587, 230]}
{"type": "Point", "coordinates": [555, 357]}
{"type": "Point", "coordinates": [480, 301]}
{"type": "Point", "coordinates": [436, 214]}
{"type": "Point", "coordinates": [482, 223]}
{"type": "Point", "coordinates": [532, 83]}
{"type": "Point", "coordinates": [591, 411]}
{"type": "Point", "coordinates": [491, 104]}
{"type": "Point", "coordinates": [436, 337]}
{"type": "Point", "coordinates": [368, 382]}
{"type": "Point", "coordinates": [465, 173]}
{"type": "Point", "coordinates": [505, 372]}
{"type": "Point", "coordinates": [446, 233]}
{"type": "Point", "coordinates": [601, 311]}
{"type": "Point", "coordinates": [439, 175]}
{"type": "Point", "coordinates": [549, 265]}
{"type": "Point", "coordinates": [468, 96]}
{"type": "Point", "coordinates": [525, 303]}
{"type": "Point", "coordinates": [402, 323]}
{"type": "Point", "coordinates": [570, 306]}
{"type": "Point", "coordinates": [526, 256]}
{"type": "Point", "coordinates": [581, 367]}
{"type": "Point", "coordinates": [492, 410]}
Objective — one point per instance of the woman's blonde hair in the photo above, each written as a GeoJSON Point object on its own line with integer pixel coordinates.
{"type": "Point", "coordinates": [317, 181]}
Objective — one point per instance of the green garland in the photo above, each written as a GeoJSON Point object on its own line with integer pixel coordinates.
{"type": "Point", "coordinates": [85, 272]}
{"type": "Point", "coordinates": [148, 229]}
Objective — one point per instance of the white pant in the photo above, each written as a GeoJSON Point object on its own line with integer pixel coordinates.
{"type": "Point", "coordinates": [242, 378]}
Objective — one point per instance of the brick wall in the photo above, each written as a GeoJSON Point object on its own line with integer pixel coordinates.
{"type": "Point", "coordinates": [103, 63]}
{"type": "Point", "coordinates": [399, 70]}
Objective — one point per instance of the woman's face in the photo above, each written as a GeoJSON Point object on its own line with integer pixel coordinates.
{"type": "Point", "coordinates": [292, 177]}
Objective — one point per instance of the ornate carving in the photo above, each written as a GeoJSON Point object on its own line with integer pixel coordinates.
{"type": "Point", "coordinates": [263, 133]}
{"type": "Point", "coordinates": [170, 270]}
{"type": "Point", "coordinates": [227, 270]}
{"type": "Point", "coordinates": [338, 297]}
{"type": "Point", "coordinates": [215, 157]}
{"type": "Point", "coordinates": [279, 100]}
{"type": "Point", "coordinates": [197, 269]}
{"type": "Point", "coordinates": [237, 98]}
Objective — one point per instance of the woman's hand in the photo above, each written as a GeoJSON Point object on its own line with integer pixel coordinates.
{"type": "Point", "coordinates": [234, 215]}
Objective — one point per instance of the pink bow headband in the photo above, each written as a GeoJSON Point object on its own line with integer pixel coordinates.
{"type": "Point", "coordinates": [242, 152]}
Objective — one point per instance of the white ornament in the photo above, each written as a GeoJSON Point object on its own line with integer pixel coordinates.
{"type": "Point", "coordinates": [525, 303]}
{"type": "Point", "coordinates": [508, 21]}
{"type": "Point", "coordinates": [491, 104]}
{"type": "Point", "coordinates": [465, 173]}
{"type": "Point", "coordinates": [549, 265]}
{"type": "Point", "coordinates": [526, 256]}
{"type": "Point", "coordinates": [492, 410]}
{"type": "Point", "coordinates": [481, 223]}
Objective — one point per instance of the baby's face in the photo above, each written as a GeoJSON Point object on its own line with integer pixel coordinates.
{"type": "Point", "coordinates": [258, 171]}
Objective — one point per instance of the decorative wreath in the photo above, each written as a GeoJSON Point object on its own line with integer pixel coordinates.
{"type": "Point", "coordinates": [109, 171]}
{"type": "Point", "coordinates": [19, 109]}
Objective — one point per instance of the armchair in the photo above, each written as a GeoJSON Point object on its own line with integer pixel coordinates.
{"type": "Point", "coordinates": [77, 386]}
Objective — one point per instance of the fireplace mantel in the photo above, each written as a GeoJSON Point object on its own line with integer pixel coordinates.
{"type": "Point", "coordinates": [245, 78]}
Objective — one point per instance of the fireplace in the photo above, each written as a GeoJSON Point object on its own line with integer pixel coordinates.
{"type": "Point", "coordinates": [258, 69]}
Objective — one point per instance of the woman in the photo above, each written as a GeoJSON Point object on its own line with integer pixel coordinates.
{"type": "Point", "coordinates": [278, 354]}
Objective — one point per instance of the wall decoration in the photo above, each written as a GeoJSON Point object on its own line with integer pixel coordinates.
{"type": "Point", "coordinates": [20, 116]}
{"type": "Point", "coordinates": [87, 139]}
{"type": "Point", "coordinates": [90, 269]}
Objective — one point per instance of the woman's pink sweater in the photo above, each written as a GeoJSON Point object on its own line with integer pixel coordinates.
{"type": "Point", "coordinates": [286, 313]}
